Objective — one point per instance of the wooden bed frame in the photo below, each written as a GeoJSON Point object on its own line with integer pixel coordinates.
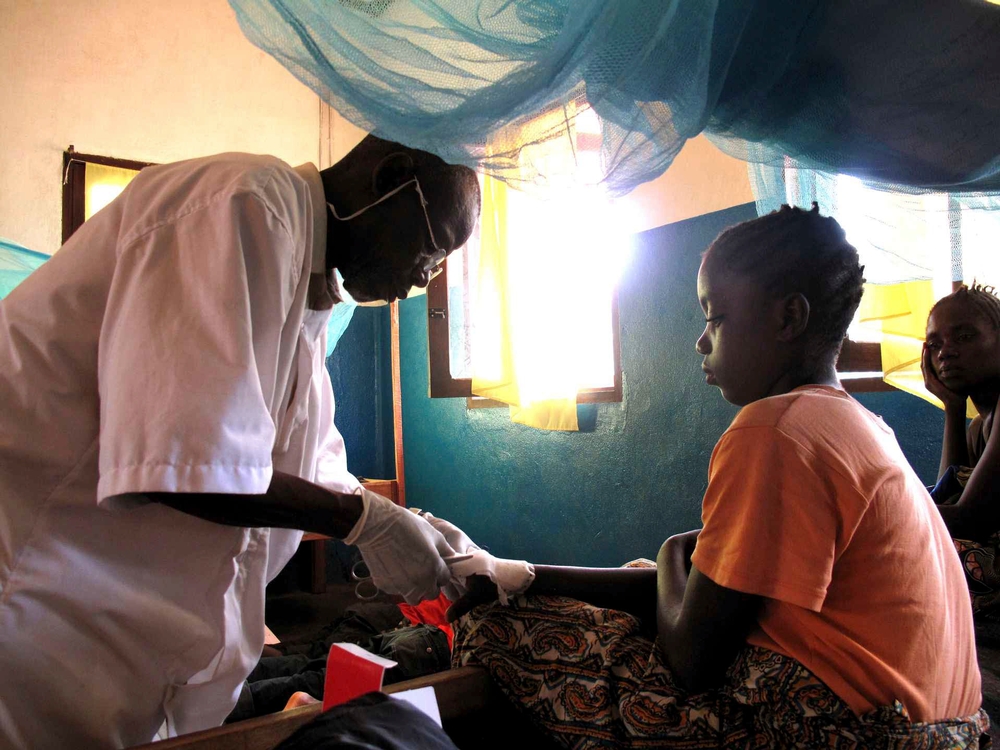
{"type": "Point", "coordinates": [461, 693]}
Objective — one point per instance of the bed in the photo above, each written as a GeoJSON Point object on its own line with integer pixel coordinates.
{"type": "Point", "coordinates": [472, 708]}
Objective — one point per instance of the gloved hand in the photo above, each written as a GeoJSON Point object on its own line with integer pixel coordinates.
{"type": "Point", "coordinates": [459, 541]}
{"type": "Point", "coordinates": [512, 577]}
{"type": "Point", "coordinates": [403, 552]}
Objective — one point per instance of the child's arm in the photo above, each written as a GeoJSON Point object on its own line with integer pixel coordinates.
{"type": "Point", "coordinates": [976, 515]}
{"type": "Point", "coordinates": [954, 448]}
{"type": "Point", "coordinates": [631, 590]}
{"type": "Point", "coordinates": [701, 625]}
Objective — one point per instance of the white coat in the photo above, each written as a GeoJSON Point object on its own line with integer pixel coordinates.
{"type": "Point", "coordinates": [167, 347]}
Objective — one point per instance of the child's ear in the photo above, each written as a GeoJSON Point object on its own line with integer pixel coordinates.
{"type": "Point", "coordinates": [794, 312]}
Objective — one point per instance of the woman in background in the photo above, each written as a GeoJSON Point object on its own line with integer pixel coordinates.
{"type": "Point", "coordinates": [961, 361]}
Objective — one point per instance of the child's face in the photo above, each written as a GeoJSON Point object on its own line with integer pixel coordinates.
{"type": "Point", "coordinates": [963, 345]}
{"type": "Point", "coordinates": [740, 344]}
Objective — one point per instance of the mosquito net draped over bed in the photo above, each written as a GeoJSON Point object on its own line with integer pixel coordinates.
{"type": "Point", "coordinates": [898, 93]}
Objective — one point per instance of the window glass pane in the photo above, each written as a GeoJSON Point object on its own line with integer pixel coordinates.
{"type": "Point", "coordinates": [539, 249]}
{"type": "Point", "coordinates": [899, 238]}
{"type": "Point", "coordinates": [102, 185]}
{"type": "Point", "coordinates": [462, 283]}
{"type": "Point", "coordinates": [980, 233]}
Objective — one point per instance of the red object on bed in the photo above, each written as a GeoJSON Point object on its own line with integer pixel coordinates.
{"type": "Point", "coordinates": [430, 612]}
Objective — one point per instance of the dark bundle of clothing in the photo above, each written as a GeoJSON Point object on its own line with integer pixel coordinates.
{"type": "Point", "coordinates": [372, 722]}
{"type": "Point", "coordinates": [378, 628]}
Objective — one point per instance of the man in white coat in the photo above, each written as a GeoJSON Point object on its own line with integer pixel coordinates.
{"type": "Point", "coordinates": [166, 430]}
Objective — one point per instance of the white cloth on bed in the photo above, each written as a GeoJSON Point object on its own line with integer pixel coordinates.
{"type": "Point", "coordinates": [167, 347]}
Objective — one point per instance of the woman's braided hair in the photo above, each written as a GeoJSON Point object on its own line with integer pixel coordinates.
{"type": "Point", "coordinates": [982, 298]}
{"type": "Point", "coordinates": [793, 250]}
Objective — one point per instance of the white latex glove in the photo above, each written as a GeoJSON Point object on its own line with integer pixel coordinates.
{"type": "Point", "coordinates": [512, 577]}
{"type": "Point", "coordinates": [403, 552]}
{"type": "Point", "coordinates": [459, 541]}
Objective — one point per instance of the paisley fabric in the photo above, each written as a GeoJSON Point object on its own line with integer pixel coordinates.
{"type": "Point", "coordinates": [592, 679]}
{"type": "Point", "coordinates": [982, 573]}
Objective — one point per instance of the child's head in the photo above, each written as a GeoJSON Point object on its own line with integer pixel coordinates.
{"type": "Point", "coordinates": [778, 293]}
{"type": "Point", "coordinates": [963, 338]}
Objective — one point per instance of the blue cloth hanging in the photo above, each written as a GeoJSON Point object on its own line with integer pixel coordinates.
{"type": "Point", "coordinates": [903, 93]}
{"type": "Point", "coordinates": [16, 263]}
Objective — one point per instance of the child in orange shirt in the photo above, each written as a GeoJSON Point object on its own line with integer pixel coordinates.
{"type": "Point", "coordinates": [821, 604]}
{"type": "Point", "coordinates": [961, 360]}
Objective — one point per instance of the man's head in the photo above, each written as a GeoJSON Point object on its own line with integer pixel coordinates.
{"type": "Point", "coordinates": [396, 213]}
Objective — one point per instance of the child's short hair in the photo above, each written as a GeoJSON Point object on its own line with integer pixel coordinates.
{"type": "Point", "coordinates": [793, 250]}
{"type": "Point", "coordinates": [982, 298]}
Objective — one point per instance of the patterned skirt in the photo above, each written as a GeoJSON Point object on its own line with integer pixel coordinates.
{"type": "Point", "coordinates": [589, 679]}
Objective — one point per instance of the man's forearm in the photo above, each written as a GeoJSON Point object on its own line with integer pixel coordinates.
{"type": "Point", "coordinates": [289, 503]}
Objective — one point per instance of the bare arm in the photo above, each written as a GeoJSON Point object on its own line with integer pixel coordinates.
{"type": "Point", "coordinates": [701, 625]}
{"type": "Point", "coordinates": [631, 590]}
{"type": "Point", "coordinates": [977, 513]}
{"type": "Point", "coordinates": [289, 503]}
{"type": "Point", "coordinates": [954, 449]}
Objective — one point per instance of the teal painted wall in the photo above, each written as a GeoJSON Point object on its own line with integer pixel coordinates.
{"type": "Point", "coordinates": [617, 491]}
{"type": "Point", "coordinates": [360, 369]}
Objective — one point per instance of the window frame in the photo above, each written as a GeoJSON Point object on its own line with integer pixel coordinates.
{"type": "Point", "coordinates": [443, 385]}
{"type": "Point", "coordinates": [861, 356]}
{"type": "Point", "coordinates": [74, 195]}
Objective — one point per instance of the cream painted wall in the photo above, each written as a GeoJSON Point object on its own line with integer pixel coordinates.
{"type": "Point", "coordinates": [701, 180]}
{"type": "Point", "coordinates": [135, 79]}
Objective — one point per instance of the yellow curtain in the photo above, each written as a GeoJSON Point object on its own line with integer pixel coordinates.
{"type": "Point", "coordinates": [900, 311]}
{"type": "Point", "coordinates": [102, 185]}
{"type": "Point", "coordinates": [550, 258]}
{"type": "Point", "coordinates": [508, 367]}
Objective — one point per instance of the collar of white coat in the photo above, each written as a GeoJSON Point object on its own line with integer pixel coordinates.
{"type": "Point", "coordinates": [310, 174]}
{"type": "Point", "coordinates": [334, 282]}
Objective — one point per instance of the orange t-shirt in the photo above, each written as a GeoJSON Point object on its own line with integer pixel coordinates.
{"type": "Point", "coordinates": [812, 505]}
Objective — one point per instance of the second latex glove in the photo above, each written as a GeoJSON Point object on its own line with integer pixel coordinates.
{"type": "Point", "coordinates": [403, 552]}
{"type": "Point", "coordinates": [512, 577]}
{"type": "Point", "coordinates": [459, 541]}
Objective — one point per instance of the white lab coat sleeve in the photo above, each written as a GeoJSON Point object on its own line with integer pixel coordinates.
{"type": "Point", "coordinates": [189, 351]}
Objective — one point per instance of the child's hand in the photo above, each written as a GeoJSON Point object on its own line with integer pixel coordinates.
{"type": "Point", "coordinates": [481, 590]}
{"type": "Point", "coordinates": [950, 398]}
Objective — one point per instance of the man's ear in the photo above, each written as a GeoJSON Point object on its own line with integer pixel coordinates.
{"type": "Point", "coordinates": [794, 313]}
{"type": "Point", "coordinates": [391, 172]}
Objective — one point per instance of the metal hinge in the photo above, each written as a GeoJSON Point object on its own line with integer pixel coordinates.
{"type": "Point", "coordinates": [436, 312]}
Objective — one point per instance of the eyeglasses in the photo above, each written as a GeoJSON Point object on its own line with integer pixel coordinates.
{"type": "Point", "coordinates": [432, 260]}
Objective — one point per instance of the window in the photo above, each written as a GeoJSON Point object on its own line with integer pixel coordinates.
{"type": "Point", "coordinates": [450, 315]}
{"type": "Point", "coordinates": [547, 247]}
{"type": "Point", "coordinates": [927, 238]}
{"type": "Point", "coordinates": [91, 182]}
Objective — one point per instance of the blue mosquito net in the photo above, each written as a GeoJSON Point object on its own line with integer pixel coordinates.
{"type": "Point", "coordinates": [16, 263]}
{"type": "Point", "coordinates": [896, 93]}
